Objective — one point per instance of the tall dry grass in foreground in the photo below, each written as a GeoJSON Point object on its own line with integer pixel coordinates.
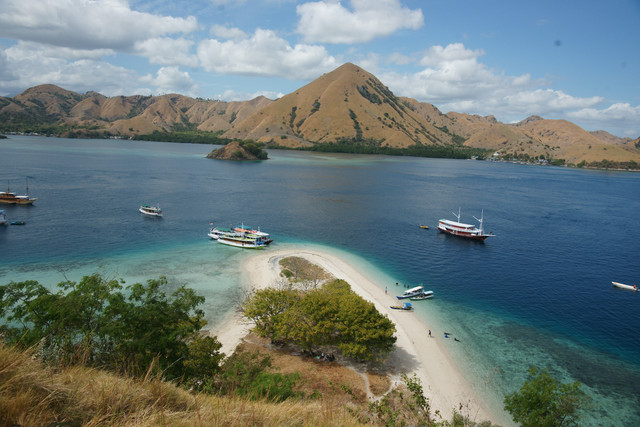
{"type": "Point", "coordinates": [33, 395]}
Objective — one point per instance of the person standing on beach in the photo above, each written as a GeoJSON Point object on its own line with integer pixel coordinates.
{"type": "Point", "coordinates": [429, 333]}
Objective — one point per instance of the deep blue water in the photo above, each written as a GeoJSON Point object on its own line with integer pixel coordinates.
{"type": "Point", "coordinates": [539, 292]}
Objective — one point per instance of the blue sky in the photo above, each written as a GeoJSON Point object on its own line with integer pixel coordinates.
{"type": "Point", "coordinates": [573, 60]}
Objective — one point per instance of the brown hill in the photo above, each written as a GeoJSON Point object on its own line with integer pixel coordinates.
{"type": "Point", "coordinates": [536, 137]}
{"type": "Point", "coordinates": [347, 103]}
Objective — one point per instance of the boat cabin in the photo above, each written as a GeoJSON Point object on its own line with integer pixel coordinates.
{"type": "Point", "coordinates": [412, 291]}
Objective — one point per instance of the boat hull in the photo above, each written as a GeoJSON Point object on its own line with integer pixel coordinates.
{"type": "Point", "coordinates": [17, 201]}
{"type": "Point", "coordinates": [240, 243]}
{"type": "Point", "coordinates": [468, 234]}
{"type": "Point", "coordinates": [150, 211]}
{"type": "Point", "coordinates": [426, 295]}
{"type": "Point", "coordinates": [623, 286]}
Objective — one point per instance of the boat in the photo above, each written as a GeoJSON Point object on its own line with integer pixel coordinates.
{"type": "Point", "coordinates": [623, 286]}
{"type": "Point", "coordinates": [10, 198]}
{"type": "Point", "coordinates": [216, 232]}
{"type": "Point", "coordinates": [468, 231]}
{"type": "Point", "coordinates": [405, 306]}
{"type": "Point", "coordinates": [423, 295]}
{"type": "Point", "coordinates": [424, 227]}
{"type": "Point", "coordinates": [150, 210]}
{"type": "Point", "coordinates": [411, 292]}
{"type": "Point", "coordinates": [240, 236]}
{"type": "Point", "coordinates": [3, 218]}
{"type": "Point", "coordinates": [240, 241]}
{"type": "Point", "coordinates": [17, 223]}
{"type": "Point", "coordinates": [254, 234]}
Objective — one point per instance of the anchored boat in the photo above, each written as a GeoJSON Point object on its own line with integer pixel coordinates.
{"type": "Point", "coordinates": [460, 229]}
{"type": "Point", "coordinates": [10, 198]}
{"type": "Point", "coordinates": [413, 292]}
{"type": "Point", "coordinates": [241, 237]}
{"type": "Point", "coordinates": [423, 295]}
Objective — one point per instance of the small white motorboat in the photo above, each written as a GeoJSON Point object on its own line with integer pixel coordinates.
{"type": "Point", "coordinates": [423, 295]}
{"type": "Point", "coordinates": [418, 290]}
{"type": "Point", "coordinates": [151, 210]}
{"type": "Point", "coordinates": [623, 286]}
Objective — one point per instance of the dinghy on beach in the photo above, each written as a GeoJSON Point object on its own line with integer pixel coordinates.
{"type": "Point", "coordinates": [623, 286]}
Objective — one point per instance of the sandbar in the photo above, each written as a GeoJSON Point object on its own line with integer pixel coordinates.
{"type": "Point", "coordinates": [415, 352]}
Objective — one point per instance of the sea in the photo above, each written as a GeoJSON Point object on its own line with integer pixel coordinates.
{"type": "Point", "coordinates": [538, 293]}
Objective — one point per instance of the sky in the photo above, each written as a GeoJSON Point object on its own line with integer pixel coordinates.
{"type": "Point", "coordinates": [558, 59]}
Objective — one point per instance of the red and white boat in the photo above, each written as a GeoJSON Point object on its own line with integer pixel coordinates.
{"type": "Point", "coordinates": [469, 231]}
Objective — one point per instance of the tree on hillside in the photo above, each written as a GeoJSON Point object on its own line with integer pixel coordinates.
{"type": "Point", "coordinates": [544, 401]}
{"type": "Point", "coordinates": [331, 315]}
{"type": "Point", "coordinates": [266, 308]}
{"type": "Point", "coordinates": [95, 322]}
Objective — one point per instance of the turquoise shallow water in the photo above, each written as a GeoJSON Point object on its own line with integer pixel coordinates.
{"type": "Point", "coordinates": [538, 293]}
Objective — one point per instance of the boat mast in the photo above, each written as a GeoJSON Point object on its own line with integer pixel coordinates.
{"type": "Point", "coordinates": [480, 221]}
{"type": "Point", "coordinates": [457, 216]}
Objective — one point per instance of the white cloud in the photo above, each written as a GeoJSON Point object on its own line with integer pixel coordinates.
{"type": "Point", "coordinates": [167, 51]}
{"type": "Point", "coordinates": [85, 24]}
{"type": "Point", "coordinates": [454, 80]}
{"type": "Point", "coordinates": [232, 95]}
{"type": "Point", "coordinates": [265, 54]}
{"type": "Point", "coordinates": [172, 80]}
{"type": "Point", "coordinates": [622, 115]}
{"type": "Point", "coordinates": [230, 33]}
{"type": "Point", "coordinates": [438, 56]}
{"type": "Point", "coordinates": [31, 65]}
{"type": "Point", "coordinates": [330, 22]}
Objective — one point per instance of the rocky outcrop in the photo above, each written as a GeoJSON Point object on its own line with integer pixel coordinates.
{"type": "Point", "coordinates": [234, 151]}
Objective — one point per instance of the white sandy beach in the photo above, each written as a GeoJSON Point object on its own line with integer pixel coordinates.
{"type": "Point", "coordinates": [415, 352]}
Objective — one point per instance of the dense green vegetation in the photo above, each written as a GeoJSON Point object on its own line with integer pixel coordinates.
{"type": "Point", "coordinates": [543, 401]}
{"type": "Point", "coordinates": [99, 322]}
{"type": "Point", "coordinates": [367, 146]}
{"type": "Point", "coordinates": [185, 135]}
{"type": "Point", "coordinates": [255, 148]}
{"type": "Point", "coordinates": [332, 315]}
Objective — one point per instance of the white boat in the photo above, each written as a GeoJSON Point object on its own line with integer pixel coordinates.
{"type": "Point", "coordinates": [3, 218]}
{"type": "Point", "coordinates": [623, 286]}
{"type": "Point", "coordinates": [151, 210]}
{"type": "Point", "coordinates": [469, 231]}
{"type": "Point", "coordinates": [411, 292]}
{"type": "Point", "coordinates": [216, 232]}
{"type": "Point", "coordinates": [423, 295]}
{"type": "Point", "coordinates": [241, 236]}
{"type": "Point", "coordinates": [240, 241]}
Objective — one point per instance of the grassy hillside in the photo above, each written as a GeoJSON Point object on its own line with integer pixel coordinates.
{"type": "Point", "coordinates": [346, 110]}
{"type": "Point", "coordinates": [32, 394]}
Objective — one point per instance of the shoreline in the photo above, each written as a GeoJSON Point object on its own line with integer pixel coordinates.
{"type": "Point", "coordinates": [415, 353]}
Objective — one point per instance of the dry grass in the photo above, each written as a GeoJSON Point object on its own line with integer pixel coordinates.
{"type": "Point", "coordinates": [334, 383]}
{"type": "Point", "coordinates": [301, 270]}
{"type": "Point", "coordinates": [33, 395]}
{"type": "Point", "coordinates": [379, 384]}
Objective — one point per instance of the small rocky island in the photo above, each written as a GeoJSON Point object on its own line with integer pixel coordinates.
{"type": "Point", "coordinates": [239, 150]}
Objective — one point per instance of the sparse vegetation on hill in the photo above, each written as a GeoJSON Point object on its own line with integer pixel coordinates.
{"type": "Point", "coordinates": [339, 111]}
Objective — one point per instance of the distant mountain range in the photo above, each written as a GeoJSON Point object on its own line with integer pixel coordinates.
{"type": "Point", "coordinates": [346, 105]}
